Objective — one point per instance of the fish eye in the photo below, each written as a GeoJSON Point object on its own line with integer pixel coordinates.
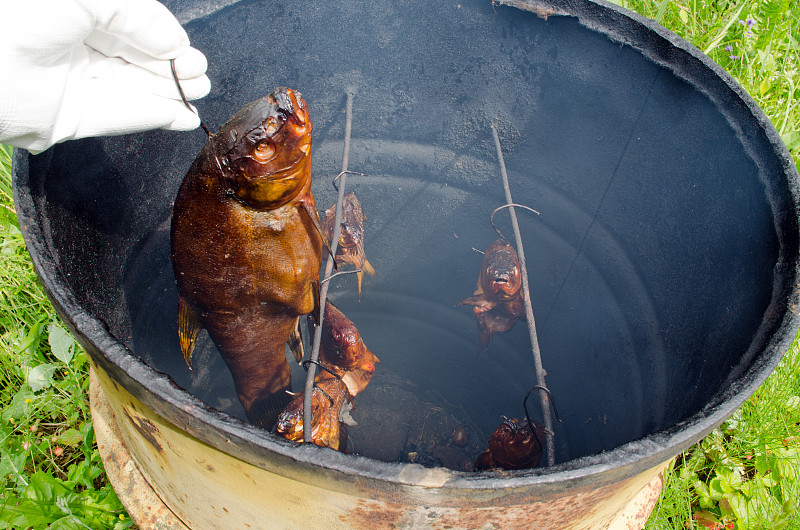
{"type": "Point", "coordinates": [263, 151]}
{"type": "Point", "coordinates": [272, 126]}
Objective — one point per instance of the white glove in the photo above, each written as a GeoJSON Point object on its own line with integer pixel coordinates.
{"type": "Point", "coordinates": [76, 68]}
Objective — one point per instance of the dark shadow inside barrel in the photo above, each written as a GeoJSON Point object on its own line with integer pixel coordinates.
{"type": "Point", "coordinates": [661, 265]}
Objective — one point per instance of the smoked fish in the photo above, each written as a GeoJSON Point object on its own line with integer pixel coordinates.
{"type": "Point", "coordinates": [246, 247]}
{"type": "Point", "coordinates": [350, 248]}
{"type": "Point", "coordinates": [513, 445]}
{"type": "Point", "coordinates": [497, 301]}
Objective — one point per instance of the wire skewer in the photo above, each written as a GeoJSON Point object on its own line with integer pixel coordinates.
{"type": "Point", "coordinates": [323, 292]}
{"type": "Point", "coordinates": [537, 356]}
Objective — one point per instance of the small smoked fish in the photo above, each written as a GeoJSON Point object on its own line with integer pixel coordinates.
{"type": "Point", "coordinates": [497, 301]}
{"type": "Point", "coordinates": [513, 446]}
{"type": "Point", "coordinates": [247, 245]}
{"type": "Point", "coordinates": [329, 401]}
{"type": "Point", "coordinates": [351, 236]}
{"type": "Point", "coordinates": [350, 366]}
{"type": "Point", "coordinates": [343, 351]}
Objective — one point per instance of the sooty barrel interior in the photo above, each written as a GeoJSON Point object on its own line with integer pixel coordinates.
{"type": "Point", "coordinates": [659, 266]}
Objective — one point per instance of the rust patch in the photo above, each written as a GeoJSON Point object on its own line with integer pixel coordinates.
{"type": "Point", "coordinates": [148, 431]}
{"type": "Point", "coordinates": [560, 513]}
{"type": "Point", "coordinates": [370, 515]}
{"type": "Point", "coordinates": [639, 509]}
{"type": "Point", "coordinates": [144, 506]}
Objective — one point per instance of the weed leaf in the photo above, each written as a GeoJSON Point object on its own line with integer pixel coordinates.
{"type": "Point", "coordinates": [31, 341]}
{"type": "Point", "coordinates": [41, 376]}
{"type": "Point", "coordinates": [11, 464]}
{"type": "Point", "coordinates": [62, 343]}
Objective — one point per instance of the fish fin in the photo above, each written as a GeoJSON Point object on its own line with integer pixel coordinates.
{"type": "Point", "coordinates": [188, 328]}
{"type": "Point", "coordinates": [314, 216]}
{"type": "Point", "coordinates": [367, 267]}
{"type": "Point", "coordinates": [264, 412]}
{"type": "Point", "coordinates": [479, 301]}
{"type": "Point", "coordinates": [295, 342]}
{"type": "Point", "coordinates": [485, 342]}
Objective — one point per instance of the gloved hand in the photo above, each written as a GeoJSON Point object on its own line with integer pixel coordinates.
{"type": "Point", "coordinates": [76, 68]}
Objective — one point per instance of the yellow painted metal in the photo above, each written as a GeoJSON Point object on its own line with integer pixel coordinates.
{"type": "Point", "coordinates": [191, 484]}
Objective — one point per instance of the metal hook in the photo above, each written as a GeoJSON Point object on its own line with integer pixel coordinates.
{"type": "Point", "coordinates": [527, 415]}
{"type": "Point", "coordinates": [202, 125]}
{"type": "Point", "coordinates": [183, 96]}
{"type": "Point", "coordinates": [491, 217]}
{"type": "Point", "coordinates": [549, 398]}
{"type": "Point", "coordinates": [311, 361]}
{"type": "Point", "coordinates": [334, 275]}
{"type": "Point", "coordinates": [295, 394]}
{"type": "Point", "coordinates": [324, 393]}
{"type": "Point", "coordinates": [345, 172]}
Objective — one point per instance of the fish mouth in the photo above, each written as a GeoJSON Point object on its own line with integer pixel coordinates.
{"type": "Point", "coordinates": [501, 276]}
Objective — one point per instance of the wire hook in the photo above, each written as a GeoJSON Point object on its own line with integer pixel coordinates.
{"type": "Point", "coordinates": [183, 96]}
{"type": "Point", "coordinates": [528, 416]}
{"type": "Point", "coordinates": [491, 217]}
{"type": "Point", "coordinates": [345, 172]}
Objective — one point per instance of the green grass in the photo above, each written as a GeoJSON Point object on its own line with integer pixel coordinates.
{"type": "Point", "coordinates": [756, 41]}
{"type": "Point", "coordinates": [745, 475]}
{"type": "Point", "coordinates": [50, 471]}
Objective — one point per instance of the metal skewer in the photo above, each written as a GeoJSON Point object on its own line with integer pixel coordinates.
{"type": "Point", "coordinates": [323, 292]}
{"type": "Point", "coordinates": [537, 356]}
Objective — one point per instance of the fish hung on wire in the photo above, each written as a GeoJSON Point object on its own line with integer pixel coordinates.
{"type": "Point", "coordinates": [350, 250]}
{"type": "Point", "coordinates": [497, 302]}
{"type": "Point", "coordinates": [247, 245]}
{"type": "Point", "coordinates": [347, 367]}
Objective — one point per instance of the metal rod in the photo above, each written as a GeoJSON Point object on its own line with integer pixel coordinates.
{"type": "Point", "coordinates": [537, 356]}
{"type": "Point", "coordinates": [323, 292]}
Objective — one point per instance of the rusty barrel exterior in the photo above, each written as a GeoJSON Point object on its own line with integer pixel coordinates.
{"type": "Point", "coordinates": [202, 487]}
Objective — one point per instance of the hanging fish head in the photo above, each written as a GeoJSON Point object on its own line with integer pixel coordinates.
{"type": "Point", "coordinates": [343, 346]}
{"type": "Point", "coordinates": [515, 446]}
{"type": "Point", "coordinates": [264, 151]}
{"type": "Point", "coordinates": [501, 273]}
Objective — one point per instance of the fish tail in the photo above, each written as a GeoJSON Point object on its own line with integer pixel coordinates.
{"type": "Point", "coordinates": [295, 342]}
{"type": "Point", "coordinates": [265, 411]}
{"type": "Point", "coordinates": [485, 342]}
{"type": "Point", "coordinates": [188, 328]}
{"type": "Point", "coordinates": [366, 266]}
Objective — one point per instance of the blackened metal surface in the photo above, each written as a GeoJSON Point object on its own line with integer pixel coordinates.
{"type": "Point", "coordinates": [665, 257]}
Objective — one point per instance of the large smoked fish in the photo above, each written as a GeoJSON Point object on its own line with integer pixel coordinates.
{"type": "Point", "coordinates": [247, 245]}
